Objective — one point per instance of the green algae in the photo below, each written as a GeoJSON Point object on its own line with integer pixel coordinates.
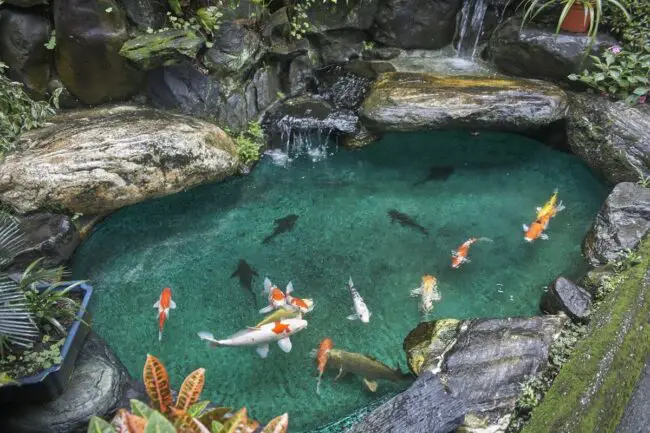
{"type": "Point", "coordinates": [165, 48]}
{"type": "Point", "coordinates": [592, 389]}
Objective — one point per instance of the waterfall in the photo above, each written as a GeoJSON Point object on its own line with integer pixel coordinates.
{"type": "Point", "coordinates": [299, 138]}
{"type": "Point", "coordinates": [471, 25]}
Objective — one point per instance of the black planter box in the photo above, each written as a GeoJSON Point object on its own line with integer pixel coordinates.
{"type": "Point", "coordinates": [48, 384]}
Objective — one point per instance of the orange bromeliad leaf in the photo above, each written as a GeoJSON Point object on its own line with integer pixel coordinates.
{"type": "Point", "coordinates": [185, 421]}
{"type": "Point", "coordinates": [235, 421]}
{"type": "Point", "coordinates": [277, 425]}
{"type": "Point", "coordinates": [134, 423]}
{"type": "Point", "coordinates": [191, 389]}
{"type": "Point", "coordinates": [156, 381]}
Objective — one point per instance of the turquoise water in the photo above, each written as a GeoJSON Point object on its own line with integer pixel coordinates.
{"type": "Point", "coordinates": [192, 242]}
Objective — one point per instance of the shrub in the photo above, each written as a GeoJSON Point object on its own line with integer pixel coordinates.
{"type": "Point", "coordinates": [249, 143]}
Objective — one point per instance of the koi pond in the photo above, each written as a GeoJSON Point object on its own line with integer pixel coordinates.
{"type": "Point", "coordinates": [486, 185]}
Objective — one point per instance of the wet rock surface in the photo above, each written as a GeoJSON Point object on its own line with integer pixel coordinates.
{"type": "Point", "coordinates": [23, 35]}
{"type": "Point", "coordinates": [637, 412]}
{"type": "Point", "coordinates": [401, 101]}
{"type": "Point", "coordinates": [621, 224]}
{"type": "Point", "coordinates": [613, 138]}
{"type": "Point", "coordinates": [145, 13]}
{"type": "Point", "coordinates": [95, 161]}
{"type": "Point", "coordinates": [162, 49]}
{"type": "Point", "coordinates": [97, 386]}
{"type": "Point", "coordinates": [236, 49]}
{"type": "Point", "coordinates": [426, 24]}
{"type": "Point", "coordinates": [537, 52]}
{"type": "Point", "coordinates": [482, 364]}
{"type": "Point", "coordinates": [51, 236]}
{"type": "Point", "coordinates": [353, 14]}
{"type": "Point", "coordinates": [564, 295]}
{"type": "Point", "coordinates": [88, 41]}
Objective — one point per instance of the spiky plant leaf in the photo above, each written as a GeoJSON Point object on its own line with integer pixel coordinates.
{"type": "Point", "coordinates": [12, 238]}
{"type": "Point", "coordinates": [216, 414]}
{"type": "Point", "coordinates": [191, 389]}
{"type": "Point", "coordinates": [140, 409]}
{"type": "Point", "coordinates": [156, 382]}
{"type": "Point", "coordinates": [158, 424]}
{"type": "Point", "coordinates": [98, 425]}
{"type": "Point", "coordinates": [277, 425]}
{"type": "Point", "coordinates": [16, 321]}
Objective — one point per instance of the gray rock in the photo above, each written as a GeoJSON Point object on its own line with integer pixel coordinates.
{"type": "Point", "coordinates": [621, 224]}
{"type": "Point", "coordinates": [613, 138]}
{"type": "Point", "coordinates": [466, 369]}
{"type": "Point", "coordinates": [26, 3]}
{"type": "Point", "coordinates": [424, 407]}
{"type": "Point", "coordinates": [184, 88]}
{"type": "Point", "coordinates": [636, 417]}
{"type": "Point", "coordinates": [146, 13]}
{"type": "Point", "coordinates": [166, 48]}
{"type": "Point", "coordinates": [51, 236]}
{"type": "Point", "coordinates": [401, 101]}
{"type": "Point", "coordinates": [537, 52]}
{"type": "Point", "coordinates": [88, 41]}
{"type": "Point", "coordinates": [564, 295]}
{"type": "Point", "coordinates": [426, 24]}
{"type": "Point", "coordinates": [267, 86]}
{"type": "Point", "coordinates": [381, 53]}
{"type": "Point", "coordinates": [96, 161]}
{"type": "Point", "coordinates": [66, 99]}
{"type": "Point", "coordinates": [301, 75]}
{"type": "Point", "coordinates": [236, 49]}
{"type": "Point", "coordinates": [97, 385]}
{"type": "Point", "coordinates": [23, 35]}
{"type": "Point", "coordinates": [351, 14]}
{"type": "Point", "coordinates": [338, 46]}
{"type": "Point", "coordinates": [343, 88]}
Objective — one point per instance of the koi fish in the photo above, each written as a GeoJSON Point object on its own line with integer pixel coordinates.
{"type": "Point", "coordinates": [275, 296]}
{"type": "Point", "coordinates": [360, 309]}
{"type": "Point", "coordinates": [280, 314]}
{"type": "Point", "coordinates": [164, 304]}
{"type": "Point", "coordinates": [550, 208]}
{"type": "Point", "coordinates": [279, 331]}
{"type": "Point", "coordinates": [302, 305]}
{"type": "Point", "coordinates": [365, 366]}
{"type": "Point", "coordinates": [321, 359]}
{"type": "Point", "coordinates": [536, 230]}
{"type": "Point", "coordinates": [428, 292]}
{"type": "Point", "coordinates": [459, 256]}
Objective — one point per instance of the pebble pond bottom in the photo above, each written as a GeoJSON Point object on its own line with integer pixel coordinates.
{"type": "Point", "coordinates": [484, 186]}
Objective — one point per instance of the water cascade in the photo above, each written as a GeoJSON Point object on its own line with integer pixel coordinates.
{"type": "Point", "coordinates": [472, 17]}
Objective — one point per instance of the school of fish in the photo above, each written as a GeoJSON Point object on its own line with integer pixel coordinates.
{"type": "Point", "coordinates": [285, 311]}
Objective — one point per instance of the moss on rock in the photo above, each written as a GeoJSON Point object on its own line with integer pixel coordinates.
{"type": "Point", "coordinates": [592, 389]}
{"type": "Point", "coordinates": [429, 341]}
{"type": "Point", "coordinates": [162, 49]}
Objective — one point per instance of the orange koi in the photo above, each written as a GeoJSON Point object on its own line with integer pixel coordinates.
{"type": "Point", "coordinates": [321, 359]}
{"type": "Point", "coordinates": [459, 256]}
{"type": "Point", "coordinates": [302, 305]}
{"type": "Point", "coordinates": [164, 304]}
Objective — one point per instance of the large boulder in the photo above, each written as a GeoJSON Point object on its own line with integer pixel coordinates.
{"type": "Point", "coordinates": [426, 24]}
{"type": "Point", "coordinates": [150, 51]}
{"type": "Point", "coordinates": [400, 101]}
{"type": "Point", "coordinates": [351, 14]}
{"type": "Point", "coordinates": [613, 138]}
{"type": "Point", "coordinates": [146, 13]}
{"type": "Point", "coordinates": [566, 296]}
{"type": "Point", "coordinates": [97, 386]}
{"type": "Point", "coordinates": [236, 49]}
{"type": "Point", "coordinates": [23, 36]}
{"type": "Point", "coordinates": [467, 369]}
{"type": "Point", "coordinates": [50, 236]}
{"type": "Point", "coordinates": [88, 42]}
{"type": "Point", "coordinates": [26, 3]}
{"type": "Point", "coordinates": [536, 51]}
{"type": "Point", "coordinates": [621, 224]}
{"type": "Point", "coordinates": [96, 161]}
{"type": "Point", "coordinates": [338, 46]}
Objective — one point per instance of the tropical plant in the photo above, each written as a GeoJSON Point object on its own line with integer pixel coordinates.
{"type": "Point", "coordinates": [186, 415]}
{"type": "Point", "coordinates": [593, 11]}
{"type": "Point", "coordinates": [249, 142]}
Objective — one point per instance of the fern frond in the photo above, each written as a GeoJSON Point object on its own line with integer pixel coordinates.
{"type": "Point", "coordinates": [16, 322]}
{"type": "Point", "coordinates": [12, 238]}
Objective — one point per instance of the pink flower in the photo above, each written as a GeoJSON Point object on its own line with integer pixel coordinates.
{"type": "Point", "coordinates": [642, 99]}
{"type": "Point", "coordinates": [615, 49]}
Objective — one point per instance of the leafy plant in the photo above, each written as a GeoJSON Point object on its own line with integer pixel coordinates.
{"type": "Point", "coordinates": [186, 415]}
{"type": "Point", "coordinates": [18, 112]}
{"type": "Point", "coordinates": [593, 10]}
{"type": "Point", "coordinates": [299, 19]}
{"type": "Point", "coordinates": [249, 143]}
{"type": "Point", "coordinates": [51, 43]}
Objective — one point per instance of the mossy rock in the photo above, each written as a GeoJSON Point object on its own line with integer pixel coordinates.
{"type": "Point", "coordinates": [429, 341]}
{"type": "Point", "coordinates": [162, 49]}
{"type": "Point", "coordinates": [593, 388]}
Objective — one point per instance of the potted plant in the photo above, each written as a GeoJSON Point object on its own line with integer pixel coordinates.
{"type": "Point", "coordinates": [577, 16]}
{"type": "Point", "coordinates": [43, 322]}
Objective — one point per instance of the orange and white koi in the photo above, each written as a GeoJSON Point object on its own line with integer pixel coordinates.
{"type": "Point", "coordinates": [428, 292]}
{"type": "Point", "coordinates": [276, 298]}
{"type": "Point", "coordinates": [300, 304]}
{"type": "Point", "coordinates": [550, 208]}
{"type": "Point", "coordinates": [536, 230]}
{"type": "Point", "coordinates": [459, 256]}
{"type": "Point", "coordinates": [321, 359]}
{"type": "Point", "coordinates": [164, 304]}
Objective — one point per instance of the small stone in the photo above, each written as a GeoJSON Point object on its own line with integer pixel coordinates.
{"type": "Point", "coordinates": [564, 295]}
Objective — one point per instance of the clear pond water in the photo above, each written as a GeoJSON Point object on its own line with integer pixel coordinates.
{"type": "Point", "coordinates": [192, 242]}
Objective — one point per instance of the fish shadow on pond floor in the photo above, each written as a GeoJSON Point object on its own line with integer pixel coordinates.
{"type": "Point", "coordinates": [406, 221]}
{"type": "Point", "coordinates": [441, 173]}
{"type": "Point", "coordinates": [282, 225]}
{"type": "Point", "coordinates": [245, 274]}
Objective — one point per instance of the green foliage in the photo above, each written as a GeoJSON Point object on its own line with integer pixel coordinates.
{"type": "Point", "coordinates": [205, 20]}
{"type": "Point", "coordinates": [18, 112]}
{"type": "Point", "coordinates": [594, 9]}
{"type": "Point", "coordinates": [157, 423]}
{"type": "Point", "coordinates": [299, 19]}
{"type": "Point", "coordinates": [98, 425]}
{"type": "Point", "coordinates": [28, 362]}
{"type": "Point", "coordinates": [249, 143]}
{"type": "Point", "coordinates": [368, 45]}
{"type": "Point", "coordinates": [51, 43]}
